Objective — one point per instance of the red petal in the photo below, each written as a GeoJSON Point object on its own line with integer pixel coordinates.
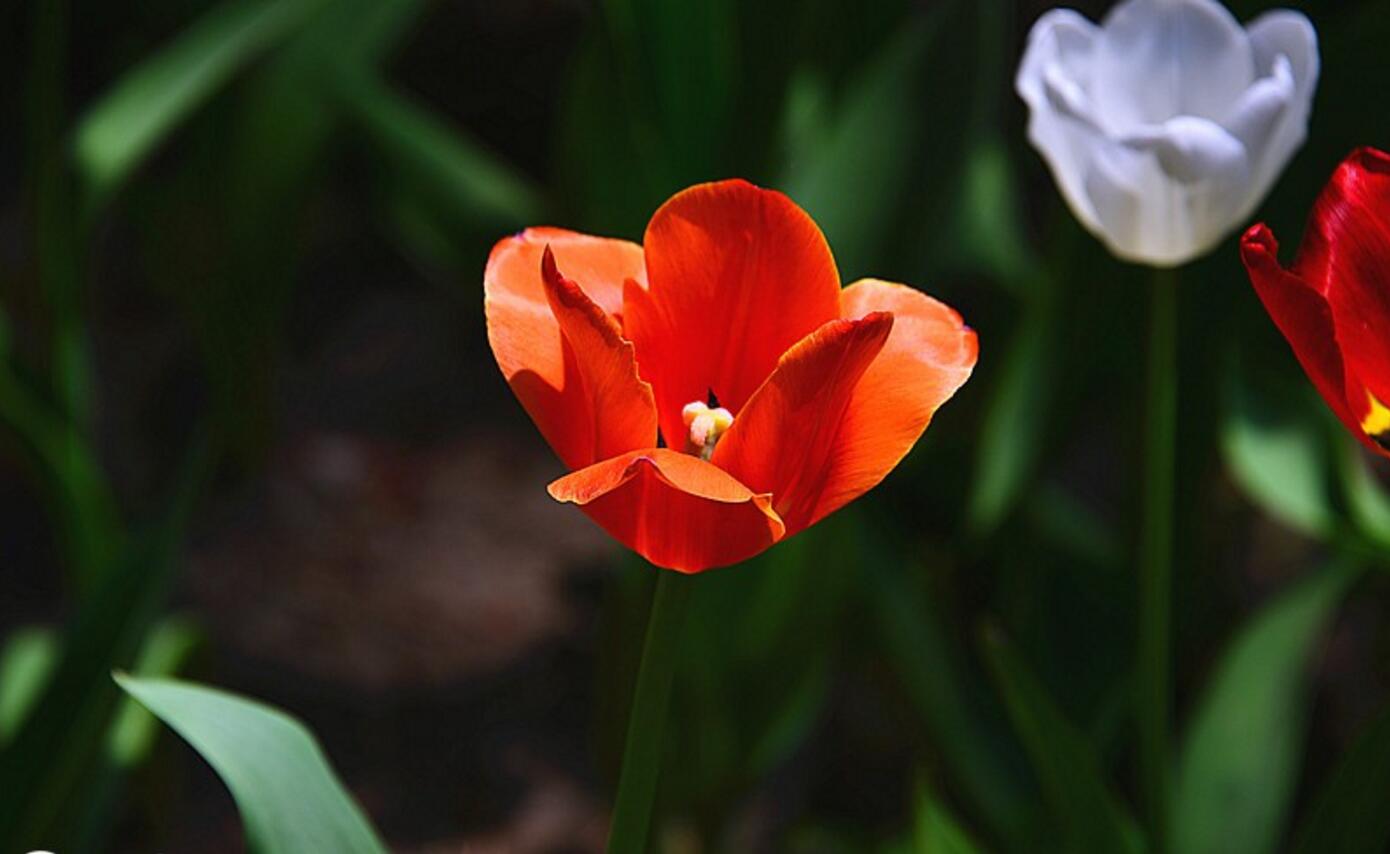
{"type": "Point", "coordinates": [738, 275]}
{"type": "Point", "coordinates": [526, 338]}
{"type": "Point", "coordinates": [618, 414]}
{"type": "Point", "coordinates": [1346, 257]}
{"type": "Point", "coordinates": [673, 509]}
{"type": "Point", "coordinates": [1303, 316]}
{"type": "Point", "coordinates": [787, 439]}
{"type": "Point", "coordinates": [930, 354]}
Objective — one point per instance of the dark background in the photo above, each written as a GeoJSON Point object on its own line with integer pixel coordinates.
{"type": "Point", "coordinates": [288, 280]}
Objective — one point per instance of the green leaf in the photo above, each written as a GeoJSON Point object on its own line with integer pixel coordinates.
{"type": "Point", "coordinates": [1065, 763]}
{"type": "Point", "coordinates": [936, 831]}
{"type": "Point", "coordinates": [1349, 814]}
{"type": "Point", "coordinates": [449, 172]}
{"type": "Point", "coordinates": [27, 661]}
{"type": "Point", "coordinates": [1241, 758]}
{"type": "Point", "coordinates": [849, 169]}
{"type": "Point", "coordinates": [71, 472]}
{"type": "Point", "coordinates": [1276, 450]}
{"type": "Point", "coordinates": [289, 798]}
{"type": "Point", "coordinates": [151, 100]}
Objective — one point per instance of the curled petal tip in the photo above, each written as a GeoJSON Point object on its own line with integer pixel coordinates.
{"type": "Point", "coordinates": [1258, 236]}
{"type": "Point", "coordinates": [1369, 159]}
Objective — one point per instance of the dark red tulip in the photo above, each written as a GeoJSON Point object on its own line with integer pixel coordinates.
{"type": "Point", "coordinates": [1333, 304]}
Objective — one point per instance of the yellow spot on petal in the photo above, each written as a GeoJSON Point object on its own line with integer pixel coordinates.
{"type": "Point", "coordinates": [1376, 423]}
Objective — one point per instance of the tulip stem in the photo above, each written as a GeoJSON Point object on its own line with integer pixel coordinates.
{"type": "Point", "coordinates": [632, 809]}
{"type": "Point", "coordinates": [1154, 694]}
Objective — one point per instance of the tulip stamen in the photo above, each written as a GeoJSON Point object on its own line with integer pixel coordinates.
{"type": "Point", "coordinates": [706, 426]}
{"type": "Point", "coordinates": [1376, 422]}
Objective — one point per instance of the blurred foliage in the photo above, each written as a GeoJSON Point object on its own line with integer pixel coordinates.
{"type": "Point", "coordinates": [976, 610]}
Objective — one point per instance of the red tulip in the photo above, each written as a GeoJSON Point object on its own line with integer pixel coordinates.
{"type": "Point", "coordinates": [1333, 304]}
{"type": "Point", "coordinates": [714, 390]}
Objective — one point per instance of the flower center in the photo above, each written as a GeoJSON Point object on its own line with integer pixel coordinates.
{"type": "Point", "coordinates": [706, 426]}
{"type": "Point", "coordinates": [1377, 422]}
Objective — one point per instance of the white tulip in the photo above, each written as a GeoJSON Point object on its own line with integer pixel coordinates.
{"type": "Point", "coordinates": [1166, 125]}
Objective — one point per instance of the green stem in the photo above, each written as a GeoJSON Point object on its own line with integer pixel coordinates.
{"type": "Point", "coordinates": [642, 752]}
{"type": "Point", "coordinates": [1156, 557]}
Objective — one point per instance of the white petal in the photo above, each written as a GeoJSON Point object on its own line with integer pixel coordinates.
{"type": "Point", "coordinates": [1169, 197]}
{"type": "Point", "coordinates": [1254, 116]}
{"type": "Point", "coordinates": [1191, 150]}
{"type": "Point", "coordinates": [1291, 36]}
{"type": "Point", "coordinates": [1059, 47]}
{"type": "Point", "coordinates": [1156, 59]}
{"type": "Point", "coordinates": [1284, 32]}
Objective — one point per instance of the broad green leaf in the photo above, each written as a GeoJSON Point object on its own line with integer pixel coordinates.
{"type": "Point", "coordinates": [936, 831]}
{"type": "Point", "coordinates": [451, 173]}
{"type": "Point", "coordinates": [1349, 814]}
{"type": "Point", "coordinates": [151, 99]}
{"type": "Point", "coordinates": [1090, 818]}
{"type": "Point", "coordinates": [289, 798]}
{"type": "Point", "coordinates": [26, 662]}
{"type": "Point", "coordinates": [1241, 758]}
{"type": "Point", "coordinates": [847, 166]}
{"type": "Point", "coordinates": [1276, 450]}
{"type": "Point", "coordinates": [690, 50]}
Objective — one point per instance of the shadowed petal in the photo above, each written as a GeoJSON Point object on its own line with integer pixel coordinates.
{"type": "Point", "coordinates": [525, 335]}
{"type": "Point", "coordinates": [675, 510]}
{"type": "Point", "coordinates": [786, 440]}
{"type": "Point", "coordinates": [1346, 256]}
{"type": "Point", "coordinates": [617, 412]}
{"type": "Point", "coordinates": [1304, 317]}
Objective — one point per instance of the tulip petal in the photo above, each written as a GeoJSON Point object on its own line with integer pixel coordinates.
{"type": "Point", "coordinates": [618, 412]}
{"type": "Point", "coordinates": [675, 510]}
{"type": "Point", "coordinates": [1304, 316]}
{"type": "Point", "coordinates": [1150, 217]}
{"type": "Point", "coordinates": [738, 274]}
{"type": "Point", "coordinates": [929, 355]}
{"type": "Point", "coordinates": [1157, 59]}
{"type": "Point", "coordinates": [1346, 256]}
{"type": "Point", "coordinates": [1287, 35]}
{"type": "Point", "coordinates": [1191, 150]}
{"type": "Point", "coordinates": [1061, 119]}
{"type": "Point", "coordinates": [526, 338]}
{"type": "Point", "coordinates": [784, 441]}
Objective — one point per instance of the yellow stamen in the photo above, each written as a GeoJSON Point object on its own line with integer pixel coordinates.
{"type": "Point", "coordinates": [1376, 423]}
{"type": "Point", "coordinates": [706, 426]}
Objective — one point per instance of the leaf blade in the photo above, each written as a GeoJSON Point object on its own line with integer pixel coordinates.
{"type": "Point", "coordinates": [151, 99]}
{"type": "Point", "coordinates": [1239, 764]}
{"type": "Point", "coordinates": [289, 798]}
{"type": "Point", "coordinates": [1064, 762]}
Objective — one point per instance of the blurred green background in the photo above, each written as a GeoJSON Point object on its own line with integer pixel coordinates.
{"type": "Point", "coordinates": [251, 435]}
